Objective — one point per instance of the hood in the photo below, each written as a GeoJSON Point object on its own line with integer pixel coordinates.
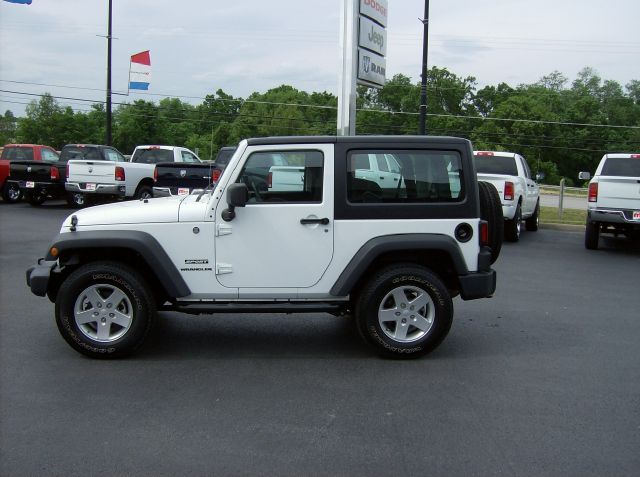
{"type": "Point", "coordinates": [160, 210]}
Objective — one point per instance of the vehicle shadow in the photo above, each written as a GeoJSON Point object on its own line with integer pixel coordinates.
{"type": "Point", "coordinates": [619, 245]}
{"type": "Point", "coordinates": [265, 336]}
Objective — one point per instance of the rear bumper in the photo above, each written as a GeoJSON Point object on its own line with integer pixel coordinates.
{"type": "Point", "coordinates": [477, 285]}
{"type": "Point", "coordinates": [613, 216]}
{"type": "Point", "coordinates": [100, 189]}
{"type": "Point", "coordinates": [170, 191]}
{"type": "Point", "coordinates": [38, 276]}
{"type": "Point", "coordinates": [47, 188]}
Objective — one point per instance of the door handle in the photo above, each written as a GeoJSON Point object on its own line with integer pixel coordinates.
{"type": "Point", "coordinates": [324, 221]}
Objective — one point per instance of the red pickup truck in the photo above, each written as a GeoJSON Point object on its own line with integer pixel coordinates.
{"type": "Point", "coordinates": [20, 152]}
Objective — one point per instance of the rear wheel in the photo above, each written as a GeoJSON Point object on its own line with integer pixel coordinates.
{"type": "Point", "coordinates": [405, 311]}
{"type": "Point", "coordinates": [76, 199]}
{"type": "Point", "coordinates": [11, 192]}
{"type": "Point", "coordinates": [591, 235]}
{"type": "Point", "coordinates": [105, 310]}
{"type": "Point", "coordinates": [144, 192]}
{"type": "Point", "coordinates": [491, 212]}
{"type": "Point", "coordinates": [513, 227]}
{"type": "Point", "coordinates": [35, 198]}
{"type": "Point", "coordinates": [533, 222]}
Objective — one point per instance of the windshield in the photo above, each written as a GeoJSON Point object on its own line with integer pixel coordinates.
{"type": "Point", "coordinates": [80, 152]}
{"type": "Point", "coordinates": [622, 167]}
{"type": "Point", "coordinates": [496, 165]}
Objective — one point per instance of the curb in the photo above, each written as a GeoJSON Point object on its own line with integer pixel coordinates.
{"type": "Point", "coordinates": [564, 227]}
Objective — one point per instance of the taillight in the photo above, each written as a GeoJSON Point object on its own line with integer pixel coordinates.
{"type": "Point", "coordinates": [119, 173]}
{"type": "Point", "coordinates": [55, 175]}
{"type": "Point", "coordinates": [155, 174]}
{"type": "Point", "coordinates": [66, 174]}
{"type": "Point", "coordinates": [635, 156]}
{"type": "Point", "coordinates": [593, 192]}
{"type": "Point", "coordinates": [484, 232]}
{"type": "Point", "coordinates": [270, 180]}
{"type": "Point", "coordinates": [216, 175]}
{"type": "Point", "coordinates": [508, 190]}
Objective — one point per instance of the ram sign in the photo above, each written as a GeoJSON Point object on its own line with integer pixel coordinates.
{"type": "Point", "coordinates": [371, 67]}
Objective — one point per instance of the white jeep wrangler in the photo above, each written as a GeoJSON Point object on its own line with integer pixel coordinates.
{"type": "Point", "coordinates": [392, 256]}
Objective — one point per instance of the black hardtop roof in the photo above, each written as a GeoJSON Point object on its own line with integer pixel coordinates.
{"type": "Point", "coordinates": [406, 140]}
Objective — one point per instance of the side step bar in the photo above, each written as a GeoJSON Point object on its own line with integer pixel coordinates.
{"type": "Point", "coordinates": [256, 307]}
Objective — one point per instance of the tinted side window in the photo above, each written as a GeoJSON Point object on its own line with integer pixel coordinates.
{"type": "Point", "coordinates": [49, 156]}
{"type": "Point", "coordinates": [284, 176]}
{"type": "Point", "coordinates": [188, 157]}
{"type": "Point", "coordinates": [422, 177]}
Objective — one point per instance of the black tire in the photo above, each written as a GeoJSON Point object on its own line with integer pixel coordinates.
{"type": "Point", "coordinates": [591, 235]}
{"type": "Point", "coordinates": [88, 293]}
{"type": "Point", "coordinates": [491, 212]}
{"type": "Point", "coordinates": [533, 222]}
{"type": "Point", "coordinates": [35, 198]}
{"type": "Point", "coordinates": [77, 199]}
{"type": "Point", "coordinates": [11, 193]}
{"type": "Point", "coordinates": [423, 329]}
{"type": "Point", "coordinates": [144, 192]}
{"type": "Point", "coordinates": [513, 227]}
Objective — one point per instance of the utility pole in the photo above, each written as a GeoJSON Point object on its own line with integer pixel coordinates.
{"type": "Point", "coordinates": [108, 128]}
{"type": "Point", "coordinates": [423, 91]}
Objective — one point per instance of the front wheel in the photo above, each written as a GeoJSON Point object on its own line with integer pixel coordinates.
{"type": "Point", "coordinates": [105, 310]}
{"type": "Point", "coordinates": [11, 193]}
{"type": "Point", "coordinates": [404, 312]}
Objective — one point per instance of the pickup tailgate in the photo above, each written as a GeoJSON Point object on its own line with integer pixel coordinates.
{"type": "Point", "coordinates": [102, 172]}
{"type": "Point", "coordinates": [185, 175]}
{"type": "Point", "coordinates": [35, 171]}
{"type": "Point", "coordinates": [619, 192]}
{"type": "Point", "coordinates": [497, 180]}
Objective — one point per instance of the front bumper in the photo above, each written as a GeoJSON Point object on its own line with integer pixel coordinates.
{"type": "Point", "coordinates": [97, 189]}
{"type": "Point", "coordinates": [38, 276]}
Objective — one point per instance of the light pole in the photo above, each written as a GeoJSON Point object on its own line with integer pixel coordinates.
{"type": "Point", "coordinates": [423, 90]}
{"type": "Point", "coordinates": [108, 127]}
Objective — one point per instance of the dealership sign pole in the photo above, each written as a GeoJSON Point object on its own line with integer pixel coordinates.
{"type": "Point", "coordinates": [363, 43]}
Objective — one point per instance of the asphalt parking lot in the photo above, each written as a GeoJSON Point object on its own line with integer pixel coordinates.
{"type": "Point", "coordinates": [542, 379]}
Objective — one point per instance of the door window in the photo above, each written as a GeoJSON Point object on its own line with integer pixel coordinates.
{"type": "Point", "coordinates": [188, 157]}
{"type": "Point", "coordinates": [284, 176]}
{"type": "Point", "coordinates": [48, 155]}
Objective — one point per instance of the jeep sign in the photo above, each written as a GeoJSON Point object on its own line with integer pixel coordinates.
{"type": "Point", "coordinates": [371, 67]}
{"type": "Point", "coordinates": [372, 36]}
{"type": "Point", "coordinates": [377, 10]}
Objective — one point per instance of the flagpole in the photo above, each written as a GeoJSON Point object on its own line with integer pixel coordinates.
{"type": "Point", "coordinates": [108, 126]}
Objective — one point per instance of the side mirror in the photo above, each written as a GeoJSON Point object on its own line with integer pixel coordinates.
{"type": "Point", "coordinates": [237, 196]}
{"type": "Point", "coordinates": [584, 176]}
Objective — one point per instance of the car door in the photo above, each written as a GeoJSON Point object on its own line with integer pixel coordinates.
{"type": "Point", "coordinates": [281, 238]}
{"type": "Point", "coordinates": [531, 193]}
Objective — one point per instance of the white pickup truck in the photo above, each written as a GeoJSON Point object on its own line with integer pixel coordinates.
{"type": "Point", "coordinates": [116, 177]}
{"type": "Point", "coordinates": [519, 193]}
{"type": "Point", "coordinates": [614, 198]}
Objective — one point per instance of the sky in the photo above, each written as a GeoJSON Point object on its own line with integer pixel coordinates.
{"type": "Point", "coordinates": [200, 46]}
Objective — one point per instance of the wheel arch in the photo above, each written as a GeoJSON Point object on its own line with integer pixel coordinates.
{"type": "Point", "coordinates": [439, 253]}
{"type": "Point", "coordinates": [137, 249]}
